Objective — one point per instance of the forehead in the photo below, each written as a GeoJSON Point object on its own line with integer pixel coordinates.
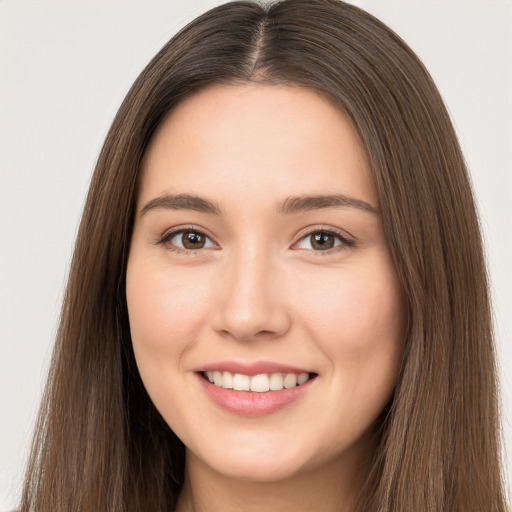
{"type": "Point", "coordinates": [249, 137]}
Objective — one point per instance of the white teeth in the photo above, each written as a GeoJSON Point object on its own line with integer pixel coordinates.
{"type": "Point", "coordinates": [302, 378]}
{"type": "Point", "coordinates": [290, 381]}
{"type": "Point", "coordinates": [241, 382]}
{"type": "Point", "coordinates": [217, 378]}
{"type": "Point", "coordinates": [258, 383]}
{"type": "Point", "coordinates": [227, 380]}
{"type": "Point", "coordinates": [276, 382]}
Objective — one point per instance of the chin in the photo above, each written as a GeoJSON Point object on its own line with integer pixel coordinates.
{"type": "Point", "coordinates": [257, 469]}
{"type": "Point", "coordinates": [241, 457]}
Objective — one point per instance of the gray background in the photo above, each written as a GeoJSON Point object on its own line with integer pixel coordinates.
{"type": "Point", "coordinates": [64, 69]}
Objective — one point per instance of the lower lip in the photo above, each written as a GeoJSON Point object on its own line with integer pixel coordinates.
{"type": "Point", "coordinates": [251, 403]}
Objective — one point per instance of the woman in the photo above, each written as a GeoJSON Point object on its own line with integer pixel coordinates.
{"type": "Point", "coordinates": [287, 306]}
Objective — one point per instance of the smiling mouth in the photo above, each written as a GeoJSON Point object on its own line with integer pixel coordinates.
{"type": "Point", "coordinates": [261, 383]}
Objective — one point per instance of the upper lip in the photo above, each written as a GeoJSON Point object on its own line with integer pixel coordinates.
{"type": "Point", "coordinates": [251, 368]}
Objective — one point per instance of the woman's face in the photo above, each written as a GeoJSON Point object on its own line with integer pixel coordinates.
{"type": "Point", "coordinates": [258, 260]}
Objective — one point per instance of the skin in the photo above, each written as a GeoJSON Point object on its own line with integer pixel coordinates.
{"type": "Point", "coordinates": [259, 290]}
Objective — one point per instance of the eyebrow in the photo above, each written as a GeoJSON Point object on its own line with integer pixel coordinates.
{"type": "Point", "coordinates": [306, 203]}
{"type": "Point", "coordinates": [290, 205]}
{"type": "Point", "coordinates": [182, 202]}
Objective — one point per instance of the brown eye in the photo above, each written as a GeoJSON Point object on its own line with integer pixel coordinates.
{"type": "Point", "coordinates": [323, 241]}
{"type": "Point", "coordinates": [192, 240]}
{"type": "Point", "coordinates": [188, 240]}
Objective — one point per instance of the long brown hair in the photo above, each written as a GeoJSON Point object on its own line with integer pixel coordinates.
{"type": "Point", "coordinates": [100, 445]}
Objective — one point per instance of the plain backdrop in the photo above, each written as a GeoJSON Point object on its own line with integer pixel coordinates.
{"type": "Point", "coordinates": [65, 68]}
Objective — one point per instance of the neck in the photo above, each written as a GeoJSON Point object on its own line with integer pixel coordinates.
{"type": "Point", "coordinates": [333, 487]}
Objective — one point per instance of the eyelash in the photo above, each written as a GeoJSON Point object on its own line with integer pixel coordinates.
{"type": "Point", "coordinates": [346, 242]}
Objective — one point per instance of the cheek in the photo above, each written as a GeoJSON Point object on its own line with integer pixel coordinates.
{"type": "Point", "coordinates": [356, 305]}
{"type": "Point", "coordinates": [358, 324]}
{"type": "Point", "coordinates": [358, 320]}
{"type": "Point", "coordinates": [165, 310]}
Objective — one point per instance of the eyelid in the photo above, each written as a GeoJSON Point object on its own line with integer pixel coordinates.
{"type": "Point", "coordinates": [167, 235]}
{"type": "Point", "coordinates": [347, 240]}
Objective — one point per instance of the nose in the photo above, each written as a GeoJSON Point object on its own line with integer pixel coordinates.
{"type": "Point", "coordinates": [251, 299]}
